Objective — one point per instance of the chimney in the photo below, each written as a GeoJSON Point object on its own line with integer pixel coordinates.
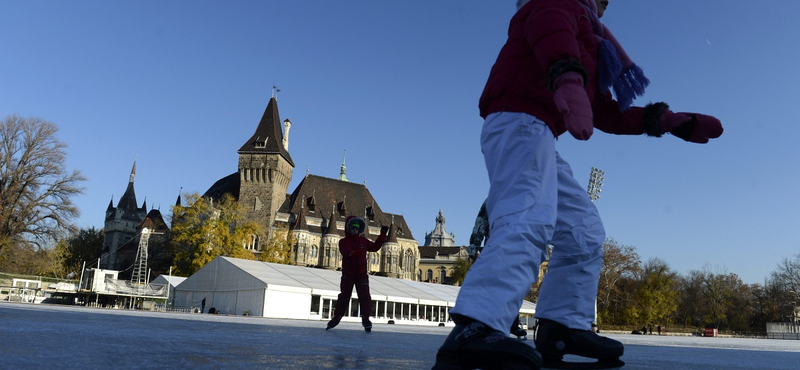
{"type": "Point", "coordinates": [286, 126]}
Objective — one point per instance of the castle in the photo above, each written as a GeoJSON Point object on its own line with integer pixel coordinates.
{"type": "Point", "coordinates": [314, 212]}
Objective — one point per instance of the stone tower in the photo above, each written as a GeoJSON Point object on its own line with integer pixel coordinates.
{"type": "Point", "coordinates": [120, 224]}
{"type": "Point", "coordinates": [329, 252]}
{"type": "Point", "coordinates": [265, 169]}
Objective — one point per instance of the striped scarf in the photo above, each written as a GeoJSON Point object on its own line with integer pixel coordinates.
{"type": "Point", "coordinates": [616, 69]}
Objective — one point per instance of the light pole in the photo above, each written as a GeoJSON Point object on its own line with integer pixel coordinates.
{"type": "Point", "coordinates": [595, 183]}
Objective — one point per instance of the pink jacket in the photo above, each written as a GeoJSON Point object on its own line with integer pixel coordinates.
{"type": "Point", "coordinates": [354, 248]}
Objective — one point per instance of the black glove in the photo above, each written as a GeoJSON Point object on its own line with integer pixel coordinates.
{"type": "Point", "coordinates": [384, 230]}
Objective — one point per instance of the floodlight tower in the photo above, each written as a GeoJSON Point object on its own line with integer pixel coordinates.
{"type": "Point", "coordinates": [595, 183]}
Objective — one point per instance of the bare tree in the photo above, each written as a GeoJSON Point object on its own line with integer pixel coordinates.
{"type": "Point", "coordinates": [36, 189]}
{"type": "Point", "coordinates": [787, 280]}
{"type": "Point", "coordinates": [619, 262]}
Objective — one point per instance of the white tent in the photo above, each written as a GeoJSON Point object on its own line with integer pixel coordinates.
{"type": "Point", "coordinates": [171, 281]}
{"type": "Point", "coordinates": [237, 286]}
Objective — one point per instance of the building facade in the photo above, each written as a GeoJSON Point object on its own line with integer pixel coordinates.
{"type": "Point", "coordinates": [315, 211]}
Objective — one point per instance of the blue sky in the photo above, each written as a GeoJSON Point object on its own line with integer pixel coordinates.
{"type": "Point", "coordinates": [179, 86]}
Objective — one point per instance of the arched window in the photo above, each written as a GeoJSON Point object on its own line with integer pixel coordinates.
{"type": "Point", "coordinates": [408, 263]}
{"type": "Point", "coordinates": [429, 276]}
{"type": "Point", "coordinates": [442, 274]}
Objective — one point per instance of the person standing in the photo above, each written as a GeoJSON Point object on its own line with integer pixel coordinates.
{"type": "Point", "coordinates": [553, 75]}
{"type": "Point", "coordinates": [203, 305]}
{"type": "Point", "coordinates": [354, 248]}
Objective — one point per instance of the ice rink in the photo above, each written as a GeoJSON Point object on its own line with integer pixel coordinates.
{"type": "Point", "coordinates": [72, 337]}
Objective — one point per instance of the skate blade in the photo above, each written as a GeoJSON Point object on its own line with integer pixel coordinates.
{"type": "Point", "coordinates": [599, 364]}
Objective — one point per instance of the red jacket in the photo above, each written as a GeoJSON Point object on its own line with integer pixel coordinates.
{"type": "Point", "coordinates": [542, 37]}
{"type": "Point", "coordinates": [354, 248]}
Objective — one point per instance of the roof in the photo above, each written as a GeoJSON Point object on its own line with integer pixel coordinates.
{"type": "Point", "coordinates": [432, 252]}
{"type": "Point", "coordinates": [273, 276]}
{"type": "Point", "coordinates": [153, 221]}
{"type": "Point", "coordinates": [320, 196]}
{"type": "Point", "coordinates": [229, 184]}
{"type": "Point", "coordinates": [173, 281]}
{"type": "Point", "coordinates": [268, 138]}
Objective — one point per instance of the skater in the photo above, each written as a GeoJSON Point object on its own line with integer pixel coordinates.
{"type": "Point", "coordinates": [478, 238]}
{"type": "Point", "coordinates": [203, 305]}
{"type": "Point", "coordinates": [552, 76]}
{"type": "Point", "coordinates": [354, 248]}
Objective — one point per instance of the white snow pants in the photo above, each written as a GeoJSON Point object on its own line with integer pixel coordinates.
{"type": "Point", "coordinates": [533, 201]}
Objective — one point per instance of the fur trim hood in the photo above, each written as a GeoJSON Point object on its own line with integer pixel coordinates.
{"type": "Point", "coordinates": [354, 220]}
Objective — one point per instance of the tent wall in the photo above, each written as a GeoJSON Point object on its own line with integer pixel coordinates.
{"type": "Point", "coordinates": [287, 305]}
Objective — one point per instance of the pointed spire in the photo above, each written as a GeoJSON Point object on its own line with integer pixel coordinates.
{"type": "Point", "coordinates": [128, 200]}
{"type": "Point", "coordinates": [332, 230]}
{"type": "Point", "coordinates": [133, 172]}
{"type": "Point", "coordinates": [178, 202]}
{"type": "Point", "coordinates": [392, 237]}
{"type": "Point", "coordinates": [268, 137]}
{"type": "Point", "coordinates": [342, 171]}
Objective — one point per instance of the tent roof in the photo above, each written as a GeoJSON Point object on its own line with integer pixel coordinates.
{"type": "Point", "coordinates": [172, 280]}
{"type": "Point", "coordinates": [326, 282]}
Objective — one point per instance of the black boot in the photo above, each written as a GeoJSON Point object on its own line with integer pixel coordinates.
{"type": "Point", "coordinates": [516, 329]}
{"type": "Point", "coordinates": [366, 324]}
{"type": "Point", "coordinates": [521, 333]}
{"type": "Point", "coordinates": [473, 345]}
{"type": "Point", "coordinates": [332, 324]}
{"type": "Point", "coordinates": [555, 340]}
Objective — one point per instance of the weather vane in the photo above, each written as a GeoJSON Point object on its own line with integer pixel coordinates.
{"type": "Point", "coordinates": [275, 91]}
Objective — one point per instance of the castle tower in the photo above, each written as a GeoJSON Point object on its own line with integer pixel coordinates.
{"type": "Point", "coordinates": [303, 254]}
{"type": "Point", "coordinates": [391, 255]}
{"type": "Point", "coordinates": [265, 169]}
{"type": "Point", "coordinates": [120, 224]}
{"type": "Point", "coordinates": [329, 248]}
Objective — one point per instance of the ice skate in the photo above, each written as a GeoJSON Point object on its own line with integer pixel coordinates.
{"type": "Point", "coordinates": [332, 324]}
{"type": "Point", "coordinates": [555, 340]}
{"type": "Point", "coordinates": [473, 345]}
{"type": "Point", "coordinates": [367, 325]}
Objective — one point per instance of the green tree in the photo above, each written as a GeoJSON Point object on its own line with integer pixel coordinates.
{"type": "Point", "coordinates": [36, 189]}
{"type": "Point", "coordinates": [657, 295]}
{"type": "Point", "coordinates": [279, 246]}
{"type": "Point", "coordinates": [460, 269]}
{"type": "Point", "coordinates": [203, 231]}
{"type": "Point", "coordinates": [84, 246]}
